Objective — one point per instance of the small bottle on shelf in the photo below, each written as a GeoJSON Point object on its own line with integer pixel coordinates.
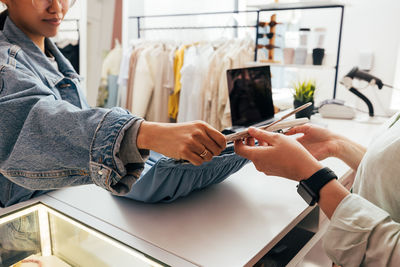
{"type": "Point", "coordinates": [319, 51]}
{"type": "Point", "coordinates": [300, 55]}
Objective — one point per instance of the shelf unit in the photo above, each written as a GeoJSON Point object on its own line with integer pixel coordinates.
{"type": "Point", "coordinates": [295, 5]}
{"type": "Point", "coordinates": [297, 66]}
{"type": "Point", "coordinates": [302, 6]}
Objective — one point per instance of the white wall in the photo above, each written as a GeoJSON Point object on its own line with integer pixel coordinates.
{"type": "Point", "coordinates": [371, 25]}
{"type": "Point", "coordinates": [129, 26]}
{"type": "Point", "coordinates": [100, 20]}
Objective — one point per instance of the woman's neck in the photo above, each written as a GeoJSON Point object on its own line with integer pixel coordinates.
{"type": "Point", "coordinates": [36, 38]}
{"type": "Point", "coordinates": [39, 41]}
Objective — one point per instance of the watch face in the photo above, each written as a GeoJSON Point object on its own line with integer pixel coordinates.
{"type": "Point", "coordinates": [306, 193]}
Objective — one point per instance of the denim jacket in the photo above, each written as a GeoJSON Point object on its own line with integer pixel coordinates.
{"type": "Point", "coordinates": [49, 137]}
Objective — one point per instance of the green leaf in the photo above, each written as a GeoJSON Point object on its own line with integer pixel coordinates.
{"type": "Point", "coordinates": [304, 91]}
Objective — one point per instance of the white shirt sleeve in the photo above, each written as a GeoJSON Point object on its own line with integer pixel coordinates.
{"type": "Point", "coordinates": [361, 234]}
{"type": "Point", "coordinates": [143, 84]}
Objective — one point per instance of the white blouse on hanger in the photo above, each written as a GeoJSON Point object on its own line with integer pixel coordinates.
{"type": "Point", "coordinates": [193, 72]}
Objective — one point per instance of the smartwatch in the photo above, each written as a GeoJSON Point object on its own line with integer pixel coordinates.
{"type": "Point", "coordinates": [309, 188]}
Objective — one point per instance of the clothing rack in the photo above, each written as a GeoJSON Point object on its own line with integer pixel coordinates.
{"type": "Point", "coordinates": [140, 29]}
{"type": "Point", "coordinates": [268, 8]}
{"type": "Point", "coordinates": [198, 27]}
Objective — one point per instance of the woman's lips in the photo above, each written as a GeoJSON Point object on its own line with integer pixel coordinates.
{"type": "Point", "coordinates": [54, 22]}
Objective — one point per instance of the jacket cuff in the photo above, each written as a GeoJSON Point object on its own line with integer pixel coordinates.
{"type": "Point", "coordinates": [351, 225]}
{"type": "Point", "coordinates": [128, 152]}
{"type": "Point", "coordinates": [107, 169]}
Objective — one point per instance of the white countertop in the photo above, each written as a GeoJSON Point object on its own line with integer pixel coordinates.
{"type": "Point", "coordinates": [230, 224]}
{"type": "Point", "coordinates": [224, 225]}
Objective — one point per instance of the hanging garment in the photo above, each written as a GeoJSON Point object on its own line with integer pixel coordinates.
{"type": "Point", "coordinates": [132, 71]}
{"type": "Point", "coordinates": [123, 77]}
{"type": "Point", "coordinates": [144, 83]}
{"type": "Point", "coordinates": [108, 90]}
{"type": "Point", "coordinates": [173, 102]}
{"type": "Point", "coordinates": [190, 59]}
{"type": "Point", "coordinates": [199, 80]}
{"type": "Point", "coordinates": [112, 62]}
{"type": "Point", "coordinates": [193, 73]}
{"type": "Point", "coordinates": [210, 88]}
{"type": "Point", "coordinates": [71, 52]}
{"type": "Point", "coordinates": [163, 86]}
{"type": "Point", "coordinates": [112, 85]}
{"type": "Point", "coordinates": [219, 102]}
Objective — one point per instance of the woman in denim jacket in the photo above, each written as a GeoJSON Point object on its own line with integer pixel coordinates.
{"type": "Point", "coordinates": [50, 138]}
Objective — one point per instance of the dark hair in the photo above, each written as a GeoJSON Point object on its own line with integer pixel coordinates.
{"type": "Point", "coordinates": [3, 16]}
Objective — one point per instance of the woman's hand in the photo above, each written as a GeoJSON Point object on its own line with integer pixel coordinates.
{"type": "Point", "coordinates": [320, 142]}
{"type": "Point", "coordinates": [195, 141]}
{"type": "Point", "coordinates": [280, 155]}
{"type": "Point", "coordinates": [277, 154]}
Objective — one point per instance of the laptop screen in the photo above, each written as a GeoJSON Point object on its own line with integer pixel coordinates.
{"type": "Point", "coordinates": [250, 95]}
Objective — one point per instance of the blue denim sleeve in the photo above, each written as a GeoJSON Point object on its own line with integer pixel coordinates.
{"type": "Point", "coordinates": [107, 168]}
{"type": "Point", "coordinates": [48, 143]}
{"type": "Point", "coordinates": [128, 152]}
{"type": "Point", "coordinates": [165, 179]}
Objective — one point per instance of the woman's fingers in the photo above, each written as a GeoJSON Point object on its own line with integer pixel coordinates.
{"type": "Point", "coordinates": [250, 141]}
{"type": "Point", "coordinates": [263, 136]}
{"type": "Point", "coordinates": [246, 151]}
{"type": "Point", "coordinates": [195, 158]}
{"type": "Point", "coordinates": [281, 156]}
{"type": "Point", "coordinates": [206, 154]}
{"type": "Point", "coordinates": [298, 129]}
{"type": "Point", "coordinates": [216, 136]}
{"type": "Point", "coordinates": [212, 140]}
{"type": "Point", "coordinates": [196, 153]}
{"type": "Point", "coordinates": [210, 144]}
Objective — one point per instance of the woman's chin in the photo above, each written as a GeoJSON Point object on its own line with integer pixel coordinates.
{"type": "Point", "coordinates": [51, 34]}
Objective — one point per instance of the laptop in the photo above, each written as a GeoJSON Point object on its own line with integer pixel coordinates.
{"type": "Point", "coordinates": [250, 97]}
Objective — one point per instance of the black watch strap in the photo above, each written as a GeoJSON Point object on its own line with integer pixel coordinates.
{"type": "Point", "coordinates": [309, 188]}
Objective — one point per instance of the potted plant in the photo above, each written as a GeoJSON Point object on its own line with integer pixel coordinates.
{"type": "Point", "coordinates": [304, 93]}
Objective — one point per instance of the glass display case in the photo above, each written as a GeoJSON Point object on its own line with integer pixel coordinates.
{"type": "Point", "coordinates": [41, 236]}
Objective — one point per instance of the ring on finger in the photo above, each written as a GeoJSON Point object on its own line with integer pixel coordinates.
{"type": "Point", "coordinates": [204, 153]}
